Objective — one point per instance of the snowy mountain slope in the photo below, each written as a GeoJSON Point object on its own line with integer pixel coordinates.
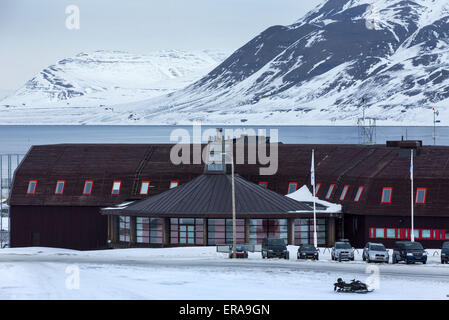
{"type": "Point", "coordinates": [391, 54]}
{"type": "Point", "coordinates": [102, 78]}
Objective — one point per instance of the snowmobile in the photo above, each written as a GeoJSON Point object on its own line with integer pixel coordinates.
{"type": "Point", "coordinates": [355, 286]}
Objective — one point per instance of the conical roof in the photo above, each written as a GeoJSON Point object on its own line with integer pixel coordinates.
{"type": "Point", "coordinates": [210, 194]}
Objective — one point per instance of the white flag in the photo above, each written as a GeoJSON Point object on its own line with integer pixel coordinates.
{"type": "Point", "coordinates": [312, 169]}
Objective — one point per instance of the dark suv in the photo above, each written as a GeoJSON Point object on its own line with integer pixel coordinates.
{"type": "Point", "coordinates": [445, 252]}
{"type": "Point", "coordinates": [409, 252]}
{"type": "Point", "coordinates": [274, 248]}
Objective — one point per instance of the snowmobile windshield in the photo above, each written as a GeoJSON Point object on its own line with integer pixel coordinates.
{"type": "Point", "coordinates": [377, 247]}
{"type": "Point", "coordinates": [413, 246]}
{"type": "Point", "coordinates": [343, 246]}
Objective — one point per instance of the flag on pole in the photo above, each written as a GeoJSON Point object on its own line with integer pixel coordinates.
{"type": "Point", "coordinates": [411, 166]}
{"type": "Point", "coordinates": [312, 169]}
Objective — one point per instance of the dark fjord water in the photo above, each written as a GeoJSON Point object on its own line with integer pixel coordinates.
{"type": "Point", "coordinates": [18, 139]}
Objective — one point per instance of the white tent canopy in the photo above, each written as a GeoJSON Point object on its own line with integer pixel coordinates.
{"type": "Point", "coordinates": [304, 195]}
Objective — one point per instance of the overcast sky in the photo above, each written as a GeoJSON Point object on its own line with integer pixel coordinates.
{"type": "Point", "coordinates": [33, 33]}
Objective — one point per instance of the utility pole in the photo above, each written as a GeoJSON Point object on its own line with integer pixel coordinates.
{"type": "Point", "coordinates": [435, 121]}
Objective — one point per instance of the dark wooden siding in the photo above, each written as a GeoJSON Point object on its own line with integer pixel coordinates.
{"type": "Point", "coordinates": [78, 228]}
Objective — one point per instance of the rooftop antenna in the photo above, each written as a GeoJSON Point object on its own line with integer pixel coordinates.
{"type": "Point", "coordinates": [436, 113]}
{"type": "Point", "coordinates": [366, 126]}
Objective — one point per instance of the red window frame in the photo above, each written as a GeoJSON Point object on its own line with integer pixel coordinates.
{"type": "Point", "coordinates": [119, 188]}
{"type": "Point", "coordinates": [425, 195]}
{"type": "Point", "coordinates": [35, 186]}
{"type": "Point", "coordinates": [173, 181]}
{"type": "Point", "coordinates": [91, 187]}
{"type": "Point", "coordinates": [346, 194]}
{"type": "Point", "coordinates": [332, 192]}
{"type": "Point", "coordinates": [63, 186]}
{"type": "Point", "coordinates": [291, 183]}
{"type": "Point", "coordinates": [148, 190]}
{"type": "Point", "coordinates": [264, 183]}
{"type": "Point", "coordinates": [361, 193]}
{"type": "Point", "coordinates": [317, 188]}
{"type": "Point", "coordinates": [382, 196]}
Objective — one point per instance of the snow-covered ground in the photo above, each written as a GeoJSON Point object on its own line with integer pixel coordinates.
{"type": "Point", "coordinates": [202, 273]}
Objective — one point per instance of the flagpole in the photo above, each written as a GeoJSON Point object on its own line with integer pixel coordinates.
{"type": "Point", "coordinates": [312, 175]}
{"type": "Point", "coordinates": [412, 193]}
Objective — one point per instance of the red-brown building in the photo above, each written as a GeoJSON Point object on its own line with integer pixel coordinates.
{"type": "Point", "coordinates": [59, 190]}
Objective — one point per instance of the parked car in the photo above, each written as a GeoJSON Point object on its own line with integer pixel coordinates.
{"type": "Point", "coordinates": [274, 248]}
{"type": "Point", "coordinates": [307, 251]}
{"type": "Point", "coordinates": [375, 252]}
{"type": "Point", "coordinates": [342, 250]}
{"type": "Point", "coordinates": [240, 252]}
{"type": "Point", "coordinates": [445, 252]}
{"type": "Point", "coordinates": [409, 252]}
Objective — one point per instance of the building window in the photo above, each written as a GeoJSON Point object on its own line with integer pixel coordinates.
{"type": "Point", "coordinates": [386, 195]}
{"type": "Point", "coordinates": [380, 233]}
{"type": "Point", "coordinates": [260, 229]}
{"type": "Point", "coordinates": [344, 193]}
{"type": "Point", "coordinates": [174, 184]}
{"type": "Point", "coordinates": [149, 230]}
{"type": "Point", "coordinates": [330, 191]}
{"type": "Point", "coordinates": [32, 184]}
{"type": "Point", "coordinates": [116, 186]}
{"type": "Point", "coordinates": [124, 228]}
{"type": "Point", "coordinates": [87, 190]}
{"type": "Point", "coordinates": [425, 234]}
{"type": "Point", "coordinates": [264, 184]}
{"type": "Point", "coordinates": [186, 231]}
{"type": "Point", "coordinates": [292, 187]}
{"type": "Point", "coordinates": [421, 194]}
{"type": "Point", "coordinates": [145, 188]}
{"type": "Point", "coordinates": [317, 188]}
{"type": "Point", "coordinates": [359, 194]}
{"type": "Point", "coordinates": [219, 231]}
{"type": "Point", "coordinates": [304, 231]}
{"type": "Point", "coordinates": [391, 233]}
{"type": "Point", "coordinates": [60, 187]}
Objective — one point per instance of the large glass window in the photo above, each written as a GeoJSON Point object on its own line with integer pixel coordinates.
{"type": "Point", "coordinates": [260, 229]}
{"type": "Point", "coordinates": [304, 231]}
{"type": "Point", "coordinates": [149, 230]}
{"type": "Point", "coordinates": [421, 195]}
{"type": "Point", "coordinates": [32, 187]}
{"type": "Point", "coordinates": [330, 191]}
{"type": "Point", "coordinates": [391, 233]}
{"type": "Point", "coordinates": [186, 231]}
{"type": "Point", "coordinates": [359, 194]}
{"type": "Point", "coordinates": [386, 195]}
{"type": "Point", "coordinates": [87, 190]}
{"type": "Point", "coordinates": [59, 187]}
{"type": "Point", "coordinates": [219, 231]}
{"type": "Point", "coordinates": [124, 228]}
{"type": "Point", "coordinates": [116, 186]}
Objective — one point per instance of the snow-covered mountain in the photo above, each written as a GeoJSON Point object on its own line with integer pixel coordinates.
{"type": "Point", "coordinates": [93, 82]}
{"type": "Point", "coordinates": [390, 56]}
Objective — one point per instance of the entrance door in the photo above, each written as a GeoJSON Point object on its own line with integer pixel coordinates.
{"type": "Point", "coordinates": [35, 239]}
{"type": "Point", "coordinates": [187, 234]}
